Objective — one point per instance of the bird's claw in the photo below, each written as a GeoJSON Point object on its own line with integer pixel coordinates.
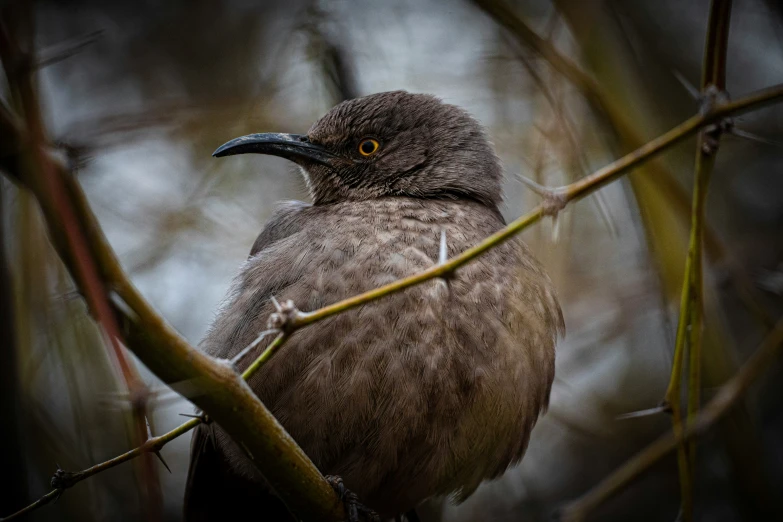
{"type": "Point", "coordinates": [356, 511]}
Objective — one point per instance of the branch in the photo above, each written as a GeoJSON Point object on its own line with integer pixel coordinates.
{"type": "Point", "coordinates": [63, 480]}
{"type": "Point", "coordinates": [564, 195]}
{"type": "Point", "coordinates": [212, 385]}
{"type": "Point", "coordinates": [718, 407]}
{"type": "Point", "coordinates": [219, 390]}
{"type": "Point", "coordinates": [691, 320]}
{"type": "Point", "coordinates": [504, 15]}
{"type": "Point", "coordinates": [18, 64]}
{"type": "Point", "coordinates": [605, 107]}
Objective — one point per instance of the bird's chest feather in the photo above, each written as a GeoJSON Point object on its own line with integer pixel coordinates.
{"type": "Point", "coordinates": [420, 383]}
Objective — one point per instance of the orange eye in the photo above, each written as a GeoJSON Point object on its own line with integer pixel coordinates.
{"type": "Point", "coordinates": [368, 147]}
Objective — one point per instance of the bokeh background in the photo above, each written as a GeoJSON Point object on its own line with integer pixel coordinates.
{"type": "Point", "coordinates": [137, 95]}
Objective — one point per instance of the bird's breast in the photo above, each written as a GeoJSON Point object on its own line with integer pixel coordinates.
{"type": "Point", "coordinates": [426, 391]}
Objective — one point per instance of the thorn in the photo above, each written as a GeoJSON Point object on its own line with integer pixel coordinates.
{"type": "Point", "coordinates": [276, 303]}
{"type": "Point", "coordinates": [202, 416]}
{"type": "Point", "coordinates": [156, 452]}
{"type": "Point", "coordinates": [149, 430]}
{"type": "Point", "coordinates": [692, 90]}
{"type": "Point", "coordinates": [238, 357]}
{"type": "Point", "coordinates": [554, 200]}
{"type": "Point", "coordinates": [534, 186]}
{"type": "Point", "coordinates": [643, 413]}
{"type": "Point", "coordinates": [443, 254]}
{"type": "Point", "coordinates": [206, 421]}
{"type": "Point", "coordinates": [160, 457]}
{"type": "Point", "coordinates": [555, 228]}
{"type": "Point", "coordinates": [120, 303]}
{"type": "Point", "coordinates": [59, 494]}
{"type": "Point", "coordinates": [752, 137]}
{"type": "Point", "coordinates": [443, 257]}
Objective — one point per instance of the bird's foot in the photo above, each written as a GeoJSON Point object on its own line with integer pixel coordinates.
{"type": "Point", "coordinates": [356, 511]}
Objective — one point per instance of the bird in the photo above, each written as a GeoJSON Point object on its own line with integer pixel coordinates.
{"type": "Point", "coordinates": [423, 393]}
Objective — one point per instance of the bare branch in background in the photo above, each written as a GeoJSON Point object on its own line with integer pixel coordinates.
{"type": "Point", "coordinates": [18, 63]}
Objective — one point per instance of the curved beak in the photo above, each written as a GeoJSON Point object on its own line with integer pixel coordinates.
{"type": "Point", "coordinates": [295, 147]}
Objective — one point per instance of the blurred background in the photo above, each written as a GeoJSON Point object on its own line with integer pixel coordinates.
{"type": "Point", "coordinates": [137, 95]}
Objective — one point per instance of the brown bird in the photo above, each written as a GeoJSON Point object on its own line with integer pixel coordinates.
{"type": "Point", "coordinates": [425, 392]}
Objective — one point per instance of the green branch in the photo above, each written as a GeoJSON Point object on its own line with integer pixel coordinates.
{"type": "Point", "coordinates": [727, 397]}
{"type": "Point", "coordinates": [174, 361]}
{"type": "Point", "coordinates": [691, 320]}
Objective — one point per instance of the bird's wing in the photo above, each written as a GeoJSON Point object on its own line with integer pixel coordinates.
{"type": "Point", "coordinates": [213, 491]}
{"type": "Point", "coordinates": [283, 223]}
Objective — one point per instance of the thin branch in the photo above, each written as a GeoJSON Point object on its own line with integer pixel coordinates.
{"type": "Point", "coordinates": [691, 321]}
{"type": "Point", "coordinates": [52, 496]}
{"type": "Point", "coordinates": [230, 402]}
{"type": "Point", "coordinates": [605, 108]}
{"type": "Point", "coordinates": [727, 397]}
{"type": "Point", "coordinates": [569, 193]}
{"type": "Point", "coordinates": [64, 480]}
{"type": "Point", "coordinates": [504, 14]}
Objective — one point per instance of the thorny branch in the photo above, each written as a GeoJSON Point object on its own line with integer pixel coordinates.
{"type": "Point", "coordinates": [17, 62]}
{"type": "Point", "coordinates": [172, 359]}
{"type": "Point", "coordinates": [151, 328]}
{"type": "Point", "coordinates": [728, 396]}
{"type": "Point", "coordinates": [607, 110]}
{"type": "Point", "coordinates": [213, 386]}
{"type": "Point", "coordinates": [689, 327]}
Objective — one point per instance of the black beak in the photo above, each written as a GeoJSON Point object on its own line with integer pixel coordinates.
{"type": "Point", "coordinates": [295, 147]}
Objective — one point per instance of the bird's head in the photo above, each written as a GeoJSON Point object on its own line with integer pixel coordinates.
{"type": "Point", "coordinates": [388, 144]}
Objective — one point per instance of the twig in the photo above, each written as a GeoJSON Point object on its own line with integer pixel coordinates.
{"type": "Point", "coordinates": [64, 480]}
{"type": "Point", "coordinates": [720, 405]}
{"type": "Point", "coordinates": [67, 480]}
{"type": "Point", "coordinates": [503, 13]}
{"type": "Point", "coordinates": [689, 328]}
{"type": "Point", "coordinates": [232, 404]}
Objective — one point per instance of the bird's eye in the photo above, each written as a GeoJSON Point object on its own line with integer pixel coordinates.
{"type": "Point", "coordinates": [368, 147]}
